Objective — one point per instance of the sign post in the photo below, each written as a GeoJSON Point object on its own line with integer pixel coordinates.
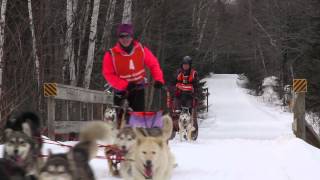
{"type": "Point", "coordinates": [299, 126]}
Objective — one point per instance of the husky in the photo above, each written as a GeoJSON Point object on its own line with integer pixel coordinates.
{"type": "Point", "coordinates": [22, 143]}
{"type": "Point", "coordinates": [125, 141]}
{"type": "Point", "coordinates": [110, 114]}
{"type": "Point", "coordinates": [74, 165]}
{"type": "Point", "coordinates": [185, 125]}
{"type": "Point", "coordinates": [57, 167]}
{"type": "Point", "coordinates": [152, 158]}
{"type": "Point", "coordinates": [9, 170]}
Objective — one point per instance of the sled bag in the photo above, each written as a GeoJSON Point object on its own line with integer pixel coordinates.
{"type": "Point", "coordinates": [146, 119]}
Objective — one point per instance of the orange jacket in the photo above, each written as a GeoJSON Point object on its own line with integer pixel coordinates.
{"type": "Point", "coordinates": [129, 66]}
{"type": "Point", "coordinates": [185, 83]}
{"type": "Point", "coordinates": [117, 77]}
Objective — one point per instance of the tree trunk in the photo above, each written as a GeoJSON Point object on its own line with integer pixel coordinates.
{"type": "Point", "coordinates": [92, 43]}
{"type": "Point", "coordinates": [69, 49]}
{"type": "Point", "coordinates": [203, 27]}
{"type": "Point", "coordinates": [2, 26]}
{"type": "Point", "coordinates": [127, 12]}
{"type": "Point", "coordinates": [34, 44]}
{"type": "Point", "coordinates": [106, 36]}
{"type": "Point", "coordinates": [82, 30]}
{"type": "Point", "coordinates": [262, 60]}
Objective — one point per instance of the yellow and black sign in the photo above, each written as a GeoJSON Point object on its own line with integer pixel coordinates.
{"type": "Point", "coordinates": [299, 85]}
{"type": "Point", "coordinates": [50, 89]}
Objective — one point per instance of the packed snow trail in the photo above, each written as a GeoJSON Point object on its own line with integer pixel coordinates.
{"type": "Point", "coordinates": [233, 114]}
{"type": "Point", "coordinates": [241, 139]}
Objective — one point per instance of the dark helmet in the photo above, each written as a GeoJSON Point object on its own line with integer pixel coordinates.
{"type": "Point", "coordinates": [187, 60]}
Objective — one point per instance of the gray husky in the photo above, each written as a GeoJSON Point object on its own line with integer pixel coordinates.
{"type": "Point", "coordinates": [74, 165]}
{"type": "Point", "coordinates": [22, 143]}
{"type": "Point", "coordinates": [9, 170]}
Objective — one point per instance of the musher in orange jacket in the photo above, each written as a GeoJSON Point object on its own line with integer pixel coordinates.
{"type": "Point", "coordinates": [124, 68]}
{"type": "Point", "coordinates": [186, 84]}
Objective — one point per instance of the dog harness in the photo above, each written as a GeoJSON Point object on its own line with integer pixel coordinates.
{"type": "Point", "coordinates": [129, 66]}
{"type": "Point", "coordinates": [185, 82]}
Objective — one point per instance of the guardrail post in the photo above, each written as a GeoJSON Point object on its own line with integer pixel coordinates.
{"type": "Point", "coordinates": [207, 99]}
{"type": "Point", "coordinates": [51, 104]}
{"type": "Point", "coordinates": [299, 106]}
{"type": "Point", "coordinates": [299, 115]}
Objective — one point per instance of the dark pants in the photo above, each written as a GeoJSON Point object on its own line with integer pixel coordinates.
{"type": "Point", "coordinates": [184, 99]}
{"type": "Point", "coordinates": [135, 99]}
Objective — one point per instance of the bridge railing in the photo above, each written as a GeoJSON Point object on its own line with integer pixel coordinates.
{"type": "Point", "coordinates": [302, 128]}
{"type": "Point", "coordinates": [68, 107]}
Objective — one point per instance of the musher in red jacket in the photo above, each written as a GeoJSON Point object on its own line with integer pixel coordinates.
{"type": "Point", "coordinates": [124, 68]}
{"type": "Point", "coordinates": [186, 84]}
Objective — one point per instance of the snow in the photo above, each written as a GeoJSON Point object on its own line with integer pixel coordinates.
{"type": "Point", "coordinates": [269, 95]}
{"type": "Point", "coordinates": [270, 81]}
{"type": "Point", "coordinates": [241, 139]}
{"type": "Point", "coordinates": [314, 120]}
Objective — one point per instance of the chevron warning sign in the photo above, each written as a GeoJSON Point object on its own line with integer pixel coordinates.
{"type": "Point", "coordinates": [50, 89]}
{"type": "Point", "coordinates": [299, 85]}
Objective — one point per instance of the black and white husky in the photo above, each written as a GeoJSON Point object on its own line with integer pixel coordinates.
{"type": "Point", "coordinates": [185, 124]}
{"type": "Point", "coordinates": [22, 143]}
{"type": "Point", "coordinates": [74, 165]}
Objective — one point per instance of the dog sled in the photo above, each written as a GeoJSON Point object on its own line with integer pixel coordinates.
{"type": "Point", "coordinates": [176, 112]}
{"type": "Point", "coordinates": [151, 121]}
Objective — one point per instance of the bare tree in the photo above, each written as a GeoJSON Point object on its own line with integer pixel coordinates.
{"type": "Point", "coordinates": [34, 44]}
{"type": "Point", "coordinates": [82, 30]}
{"type": "Point", "coordinates": [203, 26]}
{"type": "Point", "coordinates": [2, 26]}
{"type": "Point", "coordinates": [127, 12]}
{"type": "Point", "coordinates": [69, 48]}
{"type": "Point", "coordinates": [106, 36]}
{"type": "Point", "coordinates": [92, 43]}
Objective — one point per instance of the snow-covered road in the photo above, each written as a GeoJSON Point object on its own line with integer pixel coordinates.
{"type": "Point", "coordinates": [241, 139]}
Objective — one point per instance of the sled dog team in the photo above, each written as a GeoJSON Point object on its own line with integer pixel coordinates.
{"type": "Point", "coordinates": [146, 152]}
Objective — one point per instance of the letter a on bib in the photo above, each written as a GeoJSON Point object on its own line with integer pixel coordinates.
{"type": "Point", "coordinates": [131, 65]}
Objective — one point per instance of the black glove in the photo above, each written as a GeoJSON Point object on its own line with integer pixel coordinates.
{"type": "Point", "coordinates": [157, 84]}
{"type": "Point", "coordinates": [121, 94]}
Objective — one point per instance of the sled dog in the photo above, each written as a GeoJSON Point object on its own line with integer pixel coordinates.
{"type": "Point", "coordinates": [125, 141]}
{"type": "Point", "coordinates": [74, 164]}
{"type": "Point", "coordinates": [110, 114]}
{"type": "Point", "coordinates": [152, 158]}
{"type": "Point", "coordinates": [185, 125]}
{"type": "Point", "coordinates": [9, 170]}
{"type": "Point", "coordinates": [22, 143]}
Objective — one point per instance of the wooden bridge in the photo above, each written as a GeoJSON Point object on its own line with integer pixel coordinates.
{"type": "Point", "coordinates": [68, 107]}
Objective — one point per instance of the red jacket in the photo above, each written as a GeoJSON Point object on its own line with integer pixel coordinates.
{"type": "Point", "coordinates": [185, 83]}
{"type": "Point", "coordinates": [121, 84]}
{"type": "Point", "coordinates": [130, 67]}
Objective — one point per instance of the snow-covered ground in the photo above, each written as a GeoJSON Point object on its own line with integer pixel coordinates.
{"type": "Point", "coordinates": [241, 139]}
